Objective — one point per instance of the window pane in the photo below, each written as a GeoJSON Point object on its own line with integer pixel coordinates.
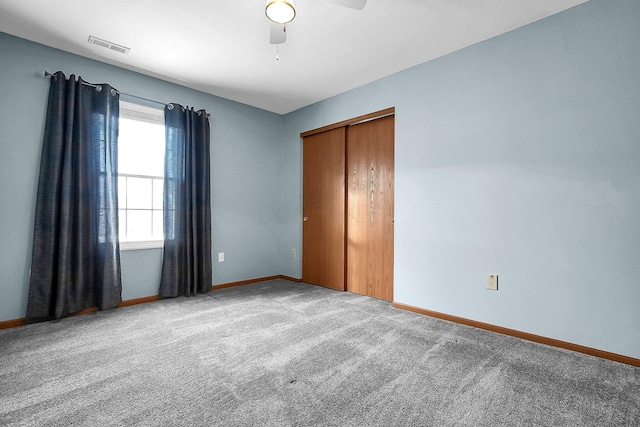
{"type": "Point", "coordinates": [157, 225]}
{"type": "Point", "coordinates": [122, 192]}
{"type": "Point", "coordinates": [122, 223]}
{"type": "Point", "coordinates": [158, 184]}
{"type": "Point", "coordinates": [139, 193]}
{"type": "Point", "coordinates": [140, 148]}
{"type": "Point", "coordinates": [139, 225]}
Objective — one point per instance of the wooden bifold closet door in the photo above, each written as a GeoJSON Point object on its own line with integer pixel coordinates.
{"type": "Point", "coordinates": [348, 200]}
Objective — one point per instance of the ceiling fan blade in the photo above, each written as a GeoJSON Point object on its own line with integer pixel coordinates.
{"type": "Point", "coordinates": [278, 33]}
{"type": "Point", "coordinates": [351, 4]}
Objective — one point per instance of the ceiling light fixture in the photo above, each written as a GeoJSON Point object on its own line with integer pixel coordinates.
{"type": "Point", "coordinates": [280, 11]}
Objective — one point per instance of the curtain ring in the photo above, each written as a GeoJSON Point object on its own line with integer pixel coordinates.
{"type": "Point", "coordinates": [113, 92]}
{"type": "Point", "coordinates": [98, 88]}
{"type": "Point", "coordinates": [169, 107]}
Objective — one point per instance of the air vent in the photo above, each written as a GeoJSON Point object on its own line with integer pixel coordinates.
{"type": "Point", "coordinates": [108, 44]}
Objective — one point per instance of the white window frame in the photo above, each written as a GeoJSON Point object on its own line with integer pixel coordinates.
{"type": "Point", "coordinates": [142, 113]}
{"type": "Point", "coordinates": [141, 244]}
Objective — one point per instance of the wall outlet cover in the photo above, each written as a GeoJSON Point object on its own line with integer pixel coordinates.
{"type": "Point", "coordinates": [492, 282]}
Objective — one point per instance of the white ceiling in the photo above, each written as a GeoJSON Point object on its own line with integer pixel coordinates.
{"type": "Point", "coordinates": [222, 47]}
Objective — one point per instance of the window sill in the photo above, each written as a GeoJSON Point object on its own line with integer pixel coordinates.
{"type": "Point", "coordinates": [148, 244]}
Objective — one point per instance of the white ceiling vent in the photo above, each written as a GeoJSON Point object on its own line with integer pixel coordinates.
{"type": "Point", "coordinates": [108, 45]}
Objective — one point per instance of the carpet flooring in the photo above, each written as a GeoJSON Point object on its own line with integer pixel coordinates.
{"type": "Point", "coordinates": [278, 353]}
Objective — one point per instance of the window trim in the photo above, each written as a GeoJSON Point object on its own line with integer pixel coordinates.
{"type": "Point", "coordinates": [141, 244]}
{"type": "Point", "coordinates": [141, 113]}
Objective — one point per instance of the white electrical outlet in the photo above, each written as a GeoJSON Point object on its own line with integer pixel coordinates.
{"type": "Point", "coordinates": [492, 282]}
{"type": "Point", "coordinates": [220, 256]}
{"type": "Point", "coordinates": [293, 253]}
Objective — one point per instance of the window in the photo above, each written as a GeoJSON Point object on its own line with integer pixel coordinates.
{"type": "Point", "coordinates": [141, 144]}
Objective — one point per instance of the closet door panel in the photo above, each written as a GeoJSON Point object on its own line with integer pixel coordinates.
{"type": "Point", "coordinates": [370, 203]}
{"type": "Point", "coordinates": [323, 226]}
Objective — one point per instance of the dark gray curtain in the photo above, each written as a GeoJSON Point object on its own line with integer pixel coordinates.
{"type": "Point", "coordinates": [76, 259]}
{"type": "Point", "coordinates": [186, 263]}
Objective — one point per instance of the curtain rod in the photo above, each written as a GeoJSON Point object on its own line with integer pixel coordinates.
{"type": "Point", "coordinates": [169, 105]}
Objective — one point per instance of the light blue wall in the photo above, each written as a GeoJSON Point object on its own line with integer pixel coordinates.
{"type": "Point", "coordinates": [518, 156]}
{"type": "Point", "coordinates": [246, 160]}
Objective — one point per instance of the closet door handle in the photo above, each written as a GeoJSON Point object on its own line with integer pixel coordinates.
{"type": "Point", "coordinates": [305, 219]}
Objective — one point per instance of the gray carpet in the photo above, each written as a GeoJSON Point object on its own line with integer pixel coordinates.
{"type": "Point", "coordinates": [283, 354]}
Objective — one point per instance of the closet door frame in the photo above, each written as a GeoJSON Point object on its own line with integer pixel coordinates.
{"type": "Point", "coordinates": [354, 121]}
